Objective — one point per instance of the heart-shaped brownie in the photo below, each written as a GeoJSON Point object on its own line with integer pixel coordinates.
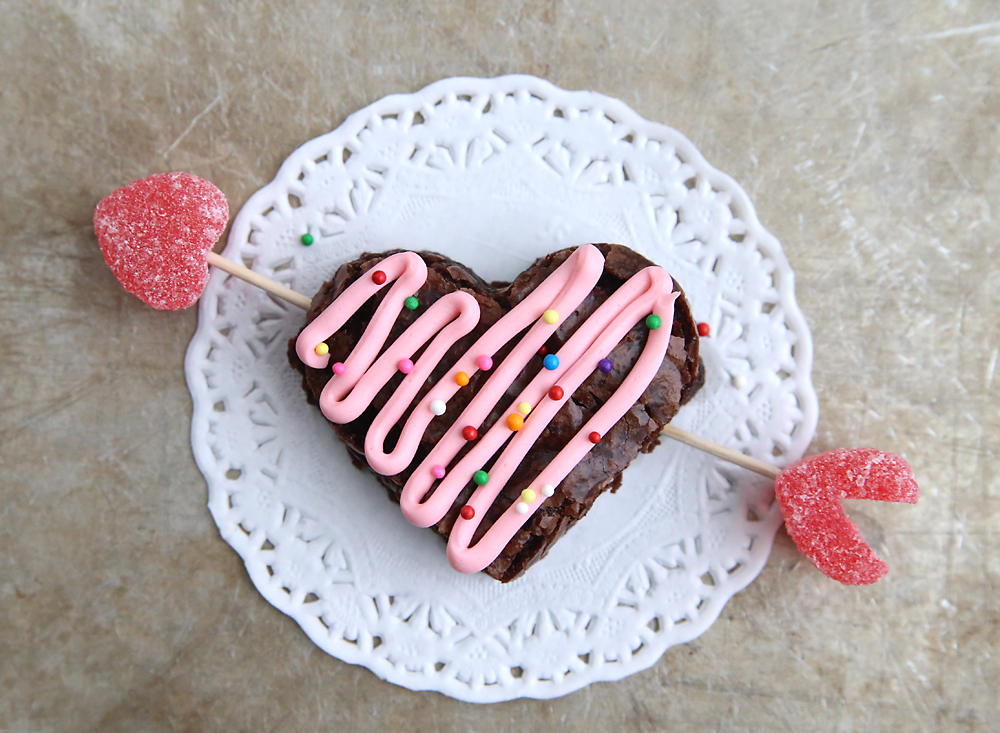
{"type": "Point", "coordinates": [672, 382]}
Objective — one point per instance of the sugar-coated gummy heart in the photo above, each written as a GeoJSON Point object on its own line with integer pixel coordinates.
{"type": "Point", "coordinates": [156, 234]}
{"type": "Point", "coordinates": [809, 493]}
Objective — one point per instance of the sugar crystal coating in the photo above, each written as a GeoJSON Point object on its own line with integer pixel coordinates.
{"type": "Point", "coordinates": [809, 493]}
{"type": "Point", "coordinates": [155, 235]}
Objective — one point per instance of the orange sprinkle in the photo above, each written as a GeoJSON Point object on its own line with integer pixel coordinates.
{"type": "Point", "coordinates": [515, 422]}
{"type": "Point", "coordinates": [461, 379]}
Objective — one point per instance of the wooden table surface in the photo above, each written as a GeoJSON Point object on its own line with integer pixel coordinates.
{"type": "Point", "coordinates": [865, 131]}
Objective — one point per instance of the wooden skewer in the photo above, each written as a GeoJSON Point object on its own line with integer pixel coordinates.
{"type": "Point", "coordinates": [721, 451]}
{"type": "Point", "coordinates": [690, 439]}
{"type": "Point", "coordinates": [247, 275]}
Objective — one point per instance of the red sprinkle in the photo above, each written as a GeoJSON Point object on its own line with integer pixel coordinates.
{"type": "Point", "coordinates": [556, 393]}
{"type": "Point", "coordinates": [470, 433]}
{"type": "Point", "coordinates": [704, 329]}
{"type": "Point", "coordinates": [378, 277]}
{"type": "Point", "coordinates": [594, 437]}
{"type": "Point", "coordinates": [809, 493]}
{"type": "Point", "coordinates": [543, 350]}
{"type": "Point", "coordinates": [467, 512]}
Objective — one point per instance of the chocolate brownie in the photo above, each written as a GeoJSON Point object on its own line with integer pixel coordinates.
{"type": "Point", "coordinates": [678, 378]}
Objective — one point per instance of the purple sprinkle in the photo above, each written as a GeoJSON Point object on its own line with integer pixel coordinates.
{"type": "Point", "coordinates": [605, 365]}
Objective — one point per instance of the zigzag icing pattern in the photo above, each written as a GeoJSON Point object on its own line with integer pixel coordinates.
{"type": "Point", "coordinates": [347, 395]}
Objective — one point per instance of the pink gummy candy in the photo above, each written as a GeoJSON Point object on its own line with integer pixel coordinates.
{"type": "Point", "coordinates": [156, 235]}
{"type": "Point", "coordinates": [809, 493]}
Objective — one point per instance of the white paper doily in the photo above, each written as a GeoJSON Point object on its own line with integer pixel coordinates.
{"type": "Point", "coordinates": [496, 172]}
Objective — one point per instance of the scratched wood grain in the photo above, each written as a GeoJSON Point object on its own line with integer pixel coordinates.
{"type": "Point", "coordinates": [865, 132]}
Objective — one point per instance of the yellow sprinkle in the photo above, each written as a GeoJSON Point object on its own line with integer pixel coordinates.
{"type": "Point", "coordinates": [515, 422]}
{"type": "Point", "coordinates": [550, 317]}
{"type": "Point", "coordinates": [524, 408]}
{"type": "Point", "coordinates": [527, 496]}
{"type": "Point", "coordinates": [461, 379]}
{"type": "Point", "coordinates": [322, 349]}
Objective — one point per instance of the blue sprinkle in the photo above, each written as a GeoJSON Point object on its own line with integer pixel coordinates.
{"type": "Point", "coordinates": [551, 362]}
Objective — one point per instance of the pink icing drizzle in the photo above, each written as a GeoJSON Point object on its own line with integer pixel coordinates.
{"type": "Point", "coordinates": [346, 396]}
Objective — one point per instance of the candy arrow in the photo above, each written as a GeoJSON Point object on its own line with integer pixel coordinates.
{"type": "Point", "coordinates": [157, 235]}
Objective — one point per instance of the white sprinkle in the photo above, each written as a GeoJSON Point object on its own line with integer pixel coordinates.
{"type": "Point", "coordinates": [739, 381]}
{"type": "Point", "coordinates": [438, 407]}
{"type": "Point", "coordinates": [548, 490]}
{"type": "Point", "coordinates": [521, 508]}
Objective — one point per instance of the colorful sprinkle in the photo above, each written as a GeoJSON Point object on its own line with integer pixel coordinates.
{"type": "Point", "coordinates": [378, 277]}
{"type": "Point", "coordinates": [438, 407]}
{"type": "Point", "coordinates": [339, 368]}
{"type": "Point", "coordinates": [307, 239]}
{"type": "Point", "coordinates": [550, 317]}
{"type": "Point", "coordinates": [605, 365]}
{"type": "Point", "coordinates": [470, 433]}
{"type": "Point", "coordinates": [556, 393]}
{"type": "Point", "coordinates": [515, 422]}
{"type": "Point", "coordinates": [461, 379]}
{"type": "Point", "coordinates": [524, 408]}
{"type": "Point", "coordinates": [405, 366]}
{"type": "Point", "coordinates": [411, 303]}
{"type": "Point", "coordinates": [322, 349]}
{"type": "Point", "coordinates": [594, 437]}
{"type": "Point", "coordinates": [543, 350]}
{"type": "Point", "coordinates": [438, 472]}
{"type": "Point", "coordinates": [704, 330]}
{"type": "Point", "coordinates": [653, 321]}
{"type": "Point", "coordinates": [548, 490]}
{"type": "Point", "coordinates": [551, 362]}
{"type": "Point", "coordinates": [484, 362]}
{"type": "Point", "coordinates": [521, 508]}
{"type": "Point", "coordinates": [467, 512]}
{"type": "Point", "coordinates": [527, 496]}
{"type": "Point", "coordinates": [480, 477]}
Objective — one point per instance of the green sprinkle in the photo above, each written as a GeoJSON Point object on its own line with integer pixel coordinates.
{"type": "Point", "coordinates": [411, 303]}
{"type": "Point", "coordinates": [480, 477]}
{"type": "Point", "coordinates": [308, 239]}
{"type": "Point", "coordinates": [653, 321]}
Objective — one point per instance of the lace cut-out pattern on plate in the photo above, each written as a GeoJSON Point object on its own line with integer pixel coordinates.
{"type": "Point", "coordinates": [494, 173]}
